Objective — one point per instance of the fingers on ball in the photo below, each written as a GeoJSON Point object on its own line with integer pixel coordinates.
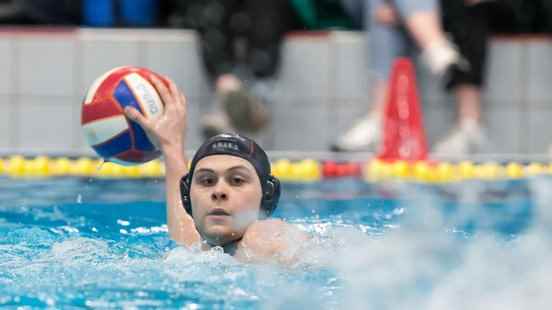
{"type": "Point", "coordinates": [136, 116]}
{"type": "Point", "coordinates": [161, 89]}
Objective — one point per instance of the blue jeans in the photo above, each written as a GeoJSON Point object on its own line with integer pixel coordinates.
{"type": "Point", "coordinates": [385, 43]}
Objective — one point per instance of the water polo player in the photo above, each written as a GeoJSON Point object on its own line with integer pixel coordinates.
{"type": "Point", "coordinates": [228, 194]}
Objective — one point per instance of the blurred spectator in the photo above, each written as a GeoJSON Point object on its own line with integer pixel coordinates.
{"type": "Point", "coordinates": [97, 13]}
{"type": "Point", "coordinates": [123, 13]}
{"type": "Point", "coordinates": [544, 16]}
{"type": "Point", "coordinates": [240, 47]}
{"type": "Point", "coordinates": [53, 12]}
{"type": "Point", "coordinates": [531, 16]}
{"type": "Point", "coordinates": [471, 23]}
{"type": "Point", "coordinates": [395, 29]}
{"type": "Point", "coordinates": [325, 14]}
{"type": "Point", "coordinates": [356, 11]}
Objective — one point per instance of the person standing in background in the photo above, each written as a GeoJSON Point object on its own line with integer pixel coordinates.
{"type": "Point", "coordinates": [240, 46]}
{"type": "Point", "coordinates": [471, 23]}
{"type": "Point", "coordinates": [51, 12]}
{"type": "Point", "coordinates": [396, 28]}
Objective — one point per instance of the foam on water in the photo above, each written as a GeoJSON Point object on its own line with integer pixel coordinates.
{"type": "Point", "coordinates": [469, 246]}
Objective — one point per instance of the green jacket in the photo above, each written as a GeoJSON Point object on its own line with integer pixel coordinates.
{"type": "Point", "coordinates": [322, 14]}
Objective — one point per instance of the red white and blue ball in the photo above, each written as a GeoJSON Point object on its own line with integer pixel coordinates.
{"type": "Point", "coordinates": [106, 129]}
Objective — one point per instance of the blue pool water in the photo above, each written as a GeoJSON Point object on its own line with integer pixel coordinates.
{"type": "Point", "coordinates": [73, 242]}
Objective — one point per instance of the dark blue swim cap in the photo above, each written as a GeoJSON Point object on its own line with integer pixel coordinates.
{"type": "Point", "coordinates": [243, 147]}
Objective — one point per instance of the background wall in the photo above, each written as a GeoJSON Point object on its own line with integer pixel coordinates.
{"type": "Point", "coordinates": [322, 88]}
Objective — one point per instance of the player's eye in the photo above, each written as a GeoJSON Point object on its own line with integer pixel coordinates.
{"type": "Point", "coordinates": [236, 180]}
{"type": "Point", "coordinates": [206, 180]}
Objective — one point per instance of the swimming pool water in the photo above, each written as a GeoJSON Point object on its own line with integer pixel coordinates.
{"type": "Point", "coordinates": [73, 242]}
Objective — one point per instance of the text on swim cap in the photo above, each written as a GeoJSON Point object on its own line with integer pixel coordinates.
{"type": "Point", "coordinates": [226, 145]}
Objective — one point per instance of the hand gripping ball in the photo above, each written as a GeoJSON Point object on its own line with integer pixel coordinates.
{"type": "Point", "coordinates": [106, 128]}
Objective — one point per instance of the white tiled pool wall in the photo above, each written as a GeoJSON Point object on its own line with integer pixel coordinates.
{"type": "Point", "coordinates": [323, 86]}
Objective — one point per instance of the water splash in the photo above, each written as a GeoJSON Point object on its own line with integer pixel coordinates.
{"type": "Point", "coordinates": [471, 246]}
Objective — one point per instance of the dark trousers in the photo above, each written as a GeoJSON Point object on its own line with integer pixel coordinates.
{"type": "Point", "coordinates": [241, 33]}
{"type": "Point", "coordinates": [53, 12]}
{"type": "Point", "coordinates": [471, 28]}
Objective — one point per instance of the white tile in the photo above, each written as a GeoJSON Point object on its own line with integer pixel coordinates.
{"type": "Point", "coordinates": [7, 122]}
{"type": "Point", "coordinates": [7, 65]}
{"type": "Point", "coordinates": [46, 65]}
{"type": "Point", "coordinates": [343, 115]}
{"type": "Point", "coordinates": [505, 68]}
{"type": "Point", "coordinates": [506, 127]}
{"type": "Point", "coordinates": [179, 60]}
{"type": "Point", "coordinates": [301, 126]}
{"type": "Point", "coordinates": [8, 100]}
{"type": "Point", "coordinates": [78, 144]}
{"type": "Point", "coordinates": [45, 124]}
{"type": "Point", "coordinates": [438, 119]}
{"type": "Point", "coordinates": [539, 72]}
{"type": "Point", "coordinates": [351, 78]}
{"type": "Point", "coordinates": [193, 136]}
{"type": "Point", "coordinates": [100, 56]}
{"type": "Point", "coordinates": [539, 129]}
{"type": "Point", "coordinates": [306, 68]}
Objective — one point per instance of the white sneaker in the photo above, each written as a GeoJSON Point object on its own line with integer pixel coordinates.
{"type": "Point", "coordinates": [365, 135]}
{"type": "Point", "coordinates": [466, 139]}
{"type": "Point", "coordinates": [440, 57]}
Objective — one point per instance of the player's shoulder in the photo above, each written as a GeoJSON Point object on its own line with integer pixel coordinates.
{"type": "Point", "coordinates": [270, 224]}
{"type": "Point", "coordinates": [272, 240]}
{"type": "Point", "coordinates": [269, 229]}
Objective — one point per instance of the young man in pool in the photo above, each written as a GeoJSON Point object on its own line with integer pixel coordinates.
{"type": "Point", "coordinates": [226, 196]}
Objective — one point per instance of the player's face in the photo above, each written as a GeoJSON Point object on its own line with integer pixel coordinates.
{"type": "Point", "coordinates": [226, 196]}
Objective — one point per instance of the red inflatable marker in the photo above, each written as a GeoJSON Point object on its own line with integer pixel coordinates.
{"type": "Point", "coordinates": [403, 131]}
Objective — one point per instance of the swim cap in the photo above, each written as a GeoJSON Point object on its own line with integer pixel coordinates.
{"type": "Point", "coordinates": [243, 147]}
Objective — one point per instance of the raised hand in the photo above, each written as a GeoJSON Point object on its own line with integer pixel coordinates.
{"type": "Point", "coordinates": [169, 128]}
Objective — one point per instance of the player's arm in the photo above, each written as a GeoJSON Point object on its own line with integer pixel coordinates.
{"type": "Point", "coordinates": [169, 129]}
